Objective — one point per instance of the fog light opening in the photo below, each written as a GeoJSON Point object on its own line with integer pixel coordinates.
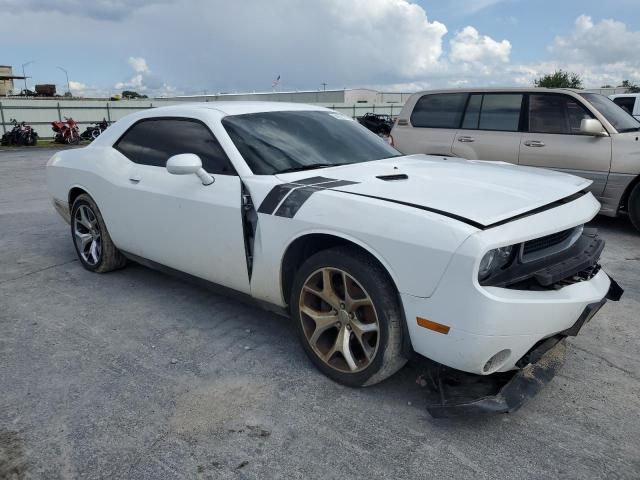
{"type": "Point", "coordinates": [497, 361]}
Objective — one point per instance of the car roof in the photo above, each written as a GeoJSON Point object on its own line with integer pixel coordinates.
{"type": "Point", "coordinates": [503, 89]}
{"type": "Point", "coordinates": [235, 107]}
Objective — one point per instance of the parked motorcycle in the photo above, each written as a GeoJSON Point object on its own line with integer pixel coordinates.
{"type": "Point", "coordinates": [20, 134]}
{"type": "Point", "coordinates": [66, 132]}
{"type": "Point", "coordinates": [94, 130]}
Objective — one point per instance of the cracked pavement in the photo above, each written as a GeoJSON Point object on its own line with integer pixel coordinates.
{"type": "Point", "coordinates": [89, 387]}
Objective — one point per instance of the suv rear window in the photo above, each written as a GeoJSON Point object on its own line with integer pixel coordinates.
{"type": "Point", "coordinates": [439, 110]}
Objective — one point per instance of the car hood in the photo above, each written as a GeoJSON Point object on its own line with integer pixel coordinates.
{"type": "Point", "coordinates": [478, 192]}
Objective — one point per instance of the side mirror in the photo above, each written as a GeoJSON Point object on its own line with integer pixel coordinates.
{"type": "Point", "coordinates": [189, 164]}
{"type": "Point", "coordinates": [592, 126]}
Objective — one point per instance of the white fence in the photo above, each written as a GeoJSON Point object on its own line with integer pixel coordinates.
{"type": "Point", "coordinates": [40, 113]}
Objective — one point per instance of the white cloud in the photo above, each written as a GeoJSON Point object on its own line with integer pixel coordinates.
{"type": "Point", "coordinates": [471, 47]}
{"type": "Point", "coordinates": [217, 45]}
{"type": "Point", "coordinates": [138, 64]}
{"type": "Point", "coordinates": [607, 41]}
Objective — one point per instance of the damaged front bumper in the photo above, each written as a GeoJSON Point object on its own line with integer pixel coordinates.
{"type": "Point", "coordinates": [537, 368]}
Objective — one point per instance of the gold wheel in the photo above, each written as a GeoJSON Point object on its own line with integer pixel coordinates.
{"type": "Point", "coordinates": [339, 320]}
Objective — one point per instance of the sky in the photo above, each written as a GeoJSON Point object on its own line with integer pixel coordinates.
{"type": "Point", "coordinates": [170, 47]}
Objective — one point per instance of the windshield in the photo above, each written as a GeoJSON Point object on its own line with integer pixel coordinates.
{"type": "Point", "coordinates": [273, 142]}
{"type": "Point", "coordinates": [616, 116]}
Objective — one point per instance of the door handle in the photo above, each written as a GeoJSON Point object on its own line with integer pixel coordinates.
{"type": "Point", "coordinates": [534, 143]}
{"type": "Point", "coordinates": [465, 139]}
{"type": "Point", "coordinates": [135, 178]}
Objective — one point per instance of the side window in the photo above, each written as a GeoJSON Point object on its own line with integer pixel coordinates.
{"type": "Point", "coordinates": [440, 110]}
{"type": "Point", "coordinates": [558, 114]}
{"type": "Point", "coordinates": [500, 112]}
{"type": "Point", "coordinates": [153, 141]}
{"type": "Point", "coordinates": [626, 103]}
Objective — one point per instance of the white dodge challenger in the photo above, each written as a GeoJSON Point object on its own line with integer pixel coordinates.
{"type": "Point", "coordinates": [475, 265]}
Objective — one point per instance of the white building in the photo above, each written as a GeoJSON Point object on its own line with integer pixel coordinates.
{"type": "Point", "coordinates": [350, 96]}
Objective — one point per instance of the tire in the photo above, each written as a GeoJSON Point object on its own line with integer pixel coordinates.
{"type": "Point", "coordinates": [86, 219]}
{"type": "Point", "coordinates": [633, 206]}
{"type": "Point", "coordinates": [372, 304]}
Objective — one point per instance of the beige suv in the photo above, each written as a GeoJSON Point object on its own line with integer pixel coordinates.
{"type": "Point", "coordinates": [577, 132]}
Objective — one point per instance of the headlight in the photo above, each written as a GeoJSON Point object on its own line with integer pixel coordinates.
{"type": "Point", "coordinates": [493, 260]}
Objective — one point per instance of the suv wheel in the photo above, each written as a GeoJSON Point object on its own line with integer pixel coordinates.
{"type": "Point", "coordinates": [633, 206]}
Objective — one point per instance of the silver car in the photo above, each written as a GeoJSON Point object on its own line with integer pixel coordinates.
{"type": "Point", "coordinates": [573, 131]}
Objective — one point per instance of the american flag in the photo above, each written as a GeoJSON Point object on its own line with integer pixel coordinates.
{"type": "Point", "coordinates": [276, 82]}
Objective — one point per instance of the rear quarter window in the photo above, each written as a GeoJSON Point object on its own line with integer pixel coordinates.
{"type": "Point", "coordinates": [439, 110]}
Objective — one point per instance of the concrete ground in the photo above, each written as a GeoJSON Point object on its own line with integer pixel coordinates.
{"type": "Point", "coordinates": [135, 374]}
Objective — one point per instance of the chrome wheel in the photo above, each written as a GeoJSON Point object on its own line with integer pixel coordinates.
{"type": "Point", "coordinates": [339, 320]}
{"type": "Point", "coordinates": [87, 235]}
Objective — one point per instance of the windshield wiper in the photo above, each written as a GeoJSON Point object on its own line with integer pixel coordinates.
{"type": "Point", "coordinates": [311, 166]}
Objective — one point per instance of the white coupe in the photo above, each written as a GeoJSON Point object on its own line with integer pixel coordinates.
{"type": "Point", "coordinates": [374, 255]}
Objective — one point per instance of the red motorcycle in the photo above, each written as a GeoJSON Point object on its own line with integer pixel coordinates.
{"type": "Point", "coordinates": [66, 132]}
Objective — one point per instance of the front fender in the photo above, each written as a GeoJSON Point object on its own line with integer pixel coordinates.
{"type": "Point", "coordinates": [415, 246]}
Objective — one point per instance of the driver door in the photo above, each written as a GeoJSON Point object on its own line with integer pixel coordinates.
{"type": "Point", "coordinates": [175, 220]}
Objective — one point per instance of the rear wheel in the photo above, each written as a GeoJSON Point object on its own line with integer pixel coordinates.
{"type": "Point", "coordinates": [91, 239]}
{"type": "Point", "coordinates": [633, 206]}
{"type": "Point", "coordinates": [348, 317]}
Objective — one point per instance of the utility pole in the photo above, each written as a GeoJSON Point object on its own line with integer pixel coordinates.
{"type": "Point", "coordinates": [67, 75]}
{"type": "Point", "coordinates": [23, 74]}
{"type": "Point", "coordinates": [324, 86]}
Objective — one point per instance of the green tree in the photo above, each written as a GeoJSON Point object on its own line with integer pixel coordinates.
{"type": "Point", "coordinates": [559, 79]}
{"type": "Point", "coordinates": [631, 87]}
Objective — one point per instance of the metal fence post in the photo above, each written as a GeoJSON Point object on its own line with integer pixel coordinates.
{"type": "Point", "coordinates": [374, 108]}
{"type": "Point", "coordinates": [391, 114]}
{"type": "Point", "coordinates": [59, 113]}
{"type": "Point", "coordinates": [108, 114]}
{"type": "Point", "coordinates": [4, 129]}
{"type": "Point", "coordinates": [354, 111]}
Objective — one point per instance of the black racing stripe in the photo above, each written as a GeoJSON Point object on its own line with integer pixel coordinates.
{"type": "Point", "coordinates": [312, 180]}
{"type": "Point", "coordinates": [294, 201]}
{"type": "Point", "coordinates": [473, 223]}
{"type": "Point", "coordinates": [549, 206]}
{"type": "Point", "coordinates": [274, 197]}
{"type": "Point", "coordinates": [420, 207]}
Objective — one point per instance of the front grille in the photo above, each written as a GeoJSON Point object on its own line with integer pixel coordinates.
{"type": "Point", "coordinates": [546, 242]}
{"type": "Point", "coordinates": [582, 276]}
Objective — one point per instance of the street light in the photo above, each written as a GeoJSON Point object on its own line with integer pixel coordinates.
{"type": "Point", "coordinates": [23, 74]}
{"type": "Point", "coordinates": [67, 75]}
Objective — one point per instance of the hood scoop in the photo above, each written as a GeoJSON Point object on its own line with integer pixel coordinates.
{"type": "Point", "coordinates": [393, 177]}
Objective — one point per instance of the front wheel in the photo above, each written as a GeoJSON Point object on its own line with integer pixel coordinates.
{"type": "Point", "coordinates": [633, 206]}
{"type": "Point", "coordinates": [348, 317]}
{"type": "Point", "coordinates": [91, 239]}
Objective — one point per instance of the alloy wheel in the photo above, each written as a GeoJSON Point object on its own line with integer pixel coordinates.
{"type": "Point", "coordinates": [339, 320]}
{"type": "Point", "coordinates": [87, 235]}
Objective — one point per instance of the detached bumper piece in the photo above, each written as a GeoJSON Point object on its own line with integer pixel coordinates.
{"type": "Point", "coordinates": [523, 385]}
{"type": "Point", "coordinates": [537, 368]}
